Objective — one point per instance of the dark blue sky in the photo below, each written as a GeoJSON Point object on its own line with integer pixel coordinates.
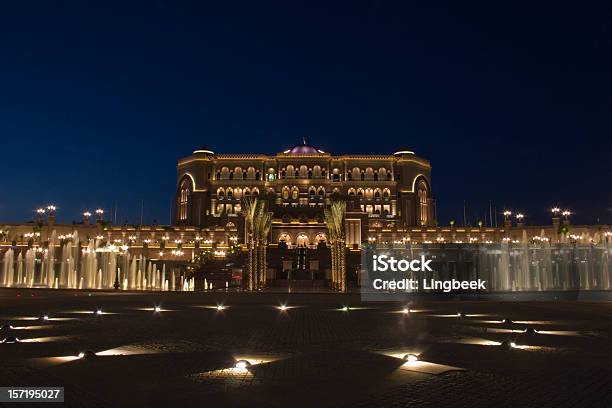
{"type": "Point", "coordinates": [511, 102]}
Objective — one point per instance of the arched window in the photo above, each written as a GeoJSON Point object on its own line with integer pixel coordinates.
{"type": "Point", "coordinates": [303, 172]}
{"type": "Point", "coordinates": [247, 192]}
{"type": "Point", "coordinates": [389, 176]}
{"type": "Point", "coordinates": [351, 191]}
{"type": "Point", "coordinates": [321, 193]}
{"type": "Point", "coordinates": [285, 193]}
{"type": "Point", "coordinates": [316, 171]}
{"type": "Point", "coordinates": [336, 175]}
{"type": "Point", "coordinates": [360, 193]}
{"type": "Point", "coordinates": [386, 193]}
{"type": "Point", "coordinates": [184, 193]}
{"type": "Point", "coordinates": [230, 194]}
{"type": "Point", "coordinates": [349, 176]}
{"type": "Point", "coordinates": [422, 194]}
{"type": "Point", "coordinates": [311, 193]}
{"type": "Point", "coordinates": [220, 194]}
{"type": "Point", "coordinates": [309, 174]}
{"type": "Point", "coordinates": [377, 193]}
{"type": "Point", "coordinates": [255, 192]}
{"type": "Point", "coordinates": [295, 193]}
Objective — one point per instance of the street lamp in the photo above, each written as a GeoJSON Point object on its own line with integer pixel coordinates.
{"type": "Point", "coordinates": [556, 211]}
{"type": "Point", "coordinates": [507, 214]}
{"type": "Point", "coordinates": [566, 213]}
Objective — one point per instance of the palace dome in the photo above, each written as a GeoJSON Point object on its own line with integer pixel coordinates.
{"type": "Point", "coordinates": [303, 149]}
{"type": "Point", "coordinates": [203, 149]}
{"type": "Point", "coordinates": [402, 151]}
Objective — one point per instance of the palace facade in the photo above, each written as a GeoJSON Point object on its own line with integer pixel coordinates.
{"type": "Point", "coordinates": [381, 191]}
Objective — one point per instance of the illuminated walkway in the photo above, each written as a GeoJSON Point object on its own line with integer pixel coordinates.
{"type": "Point", "coordinates": [304, 350]}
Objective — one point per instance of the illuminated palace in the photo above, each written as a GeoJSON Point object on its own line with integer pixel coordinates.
{"type": "Point", "coordinates": [388, 198]}
{"type": "Point", "coordinates": [382, 192]}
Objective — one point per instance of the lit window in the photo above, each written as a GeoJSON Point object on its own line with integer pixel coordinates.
{"type": "Point", "coordinates": [423, 204]}
{"type": "Point", "coordinates": [185, 190]}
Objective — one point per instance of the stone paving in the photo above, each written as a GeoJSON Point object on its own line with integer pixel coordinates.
{"type": "Point", "coordinates": [312, 354]}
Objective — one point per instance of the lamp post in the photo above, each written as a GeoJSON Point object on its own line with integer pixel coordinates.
{"type": "Point", "coordinates": [51, 213]}
{"type": "Point", "coordinates": [507, 219]}
{"type": "Point", "coordinates": [566, 214]}
{"type": "Point", "coordinates": [519, 220]}
{"type": "Point", "coordinates": [86, 216]}
{"type": "Point", "coordinates": [556, 221]}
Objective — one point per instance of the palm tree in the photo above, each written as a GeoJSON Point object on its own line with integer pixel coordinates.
{"type": "Point", "coordinates": [334, 219]}
{"type": "Point", "coordinates": [250, 213]}
{"type": "Point", "coordinates": [264, 223]}
{"type": "Point", "coordinates": [258, 223]}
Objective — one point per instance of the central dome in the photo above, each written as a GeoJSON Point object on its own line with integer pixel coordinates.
{"type": "Point", "coordinates": [303, 149]}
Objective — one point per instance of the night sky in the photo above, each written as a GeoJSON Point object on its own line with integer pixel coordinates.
{"type": "Point", "coordinates": [510, 102]}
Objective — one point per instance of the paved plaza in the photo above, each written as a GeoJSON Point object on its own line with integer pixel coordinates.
{"type": "Point", "coordinates": [316, 352]}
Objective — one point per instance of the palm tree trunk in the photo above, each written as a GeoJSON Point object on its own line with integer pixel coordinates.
{"type": "Point", "coordinates": [261, 264]}
{"type": "Point", "coordinates": [255, 265]}
{"type": "Point", "coordinates": [342, 266]}
{"type": "Point", "coordinates": [264, 262]}
{"type": "Point", "coordinates": [250, 264]}
{"type": "Point", "coordinates": [333, 262]}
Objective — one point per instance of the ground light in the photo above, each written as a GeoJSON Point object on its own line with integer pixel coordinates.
{"type": "Point", "coordinates": [411, 358]}
{"type": "Point", "coordinates": [530, 330]}
{"type": "Point", "coordinates": [220, 308]}
{"type": "Point", "coordinates": [7, 326]}
{"type": "Point", "coordinates": [86, 354]}
{"type": "Point", "coordinates": [345, 309]}
{"type": "Point", "coordinates": [507, 320]}
{"type": "Point", "coordinates": [461, 315]}
{"type": "Point", "coordinates": [44, 317]}
{"type": "Point", "coordinates": [283, 307]}
{"type": "Point", "coordinates": [98, 312]}
{"type": "Point", "coordinates": [406, 311]}
{"type": "Point", "coordinates": [242, 364]}
{"type": "Point", "coordinates": [508, 345]}
{"type": "Point", "coordinates": [11, 339]}
{"type": "Point", "coordinates": [157, 309]}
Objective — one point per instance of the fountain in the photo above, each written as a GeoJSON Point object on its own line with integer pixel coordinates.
{"type": "Point", "coordinates": [65, 262]}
